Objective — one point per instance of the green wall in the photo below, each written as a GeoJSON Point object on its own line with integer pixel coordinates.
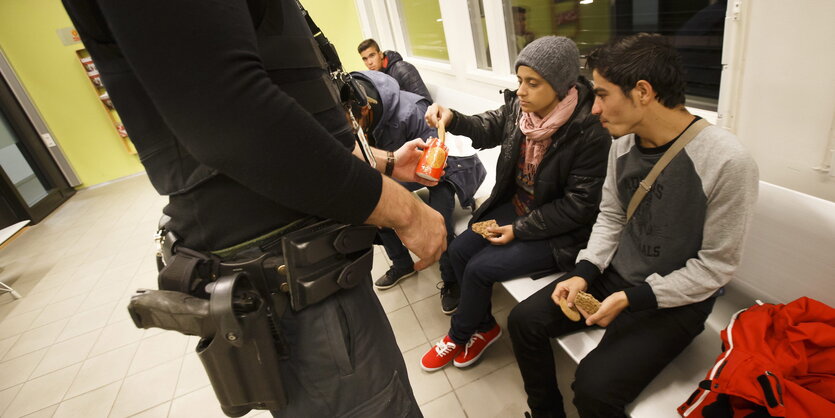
{"type": "Point", "coordinates": [340, 22]}
{"type": "Point", "coordinates": [424, 29]}
{"type": "Point", "coordinates": [61, 91]}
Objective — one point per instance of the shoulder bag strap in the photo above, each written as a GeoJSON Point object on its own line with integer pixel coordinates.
{"type": "Point", "coordinates": [646, 184]}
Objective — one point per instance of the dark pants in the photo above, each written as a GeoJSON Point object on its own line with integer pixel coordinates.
{"type": "Point", "coordinates": [442, 199]}
{"type": "Point", "coordinates": [344, 360]}
{"type": "Point", "coordinates": [478, 264]}
{"type": "Point", "coordinates": [634, 349]}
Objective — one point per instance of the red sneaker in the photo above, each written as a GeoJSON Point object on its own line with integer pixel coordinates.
{"type": "Point", "coordinates": [476, 346]}
{"type": "Point", "coordinates": [440, 355]}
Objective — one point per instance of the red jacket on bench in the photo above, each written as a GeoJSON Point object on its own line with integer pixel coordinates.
{"type": "Point", "coordinates": [778, 360]}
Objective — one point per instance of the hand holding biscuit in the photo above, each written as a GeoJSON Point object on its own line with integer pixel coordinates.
{"type": "Point", "coordinates": [565, 292]}
{"type": "Point", "coordinates": [482, 227]}
{"type": "Point", "coordinates": [436, 114]}
{"type": "Point", "coordinates": [610, 308]}
{"type": "Point", "coordinates": [501, 235]}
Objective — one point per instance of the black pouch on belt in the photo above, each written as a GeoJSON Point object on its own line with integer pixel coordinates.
{"type": "Point", "coordinates": [188, 271]}
{"type": "Point", "coordinates": [325, 257]}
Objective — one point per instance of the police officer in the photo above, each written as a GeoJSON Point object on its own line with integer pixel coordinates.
{"type": "Point", "coordinates": [234, 117]}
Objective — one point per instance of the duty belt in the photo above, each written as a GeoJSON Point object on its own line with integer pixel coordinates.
{"type": "Point", "coordinates": [309, 260]}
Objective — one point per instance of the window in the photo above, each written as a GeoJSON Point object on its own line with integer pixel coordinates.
{"type": "Point", "coordinates": [479, 26]}
{"type": "Point", "coordinates": [695, 27]}
{"type": "Point", "coordinates": [423, 29]}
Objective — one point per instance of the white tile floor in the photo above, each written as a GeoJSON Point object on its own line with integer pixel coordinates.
{"type": "Point", "coordinates": [69, 349]}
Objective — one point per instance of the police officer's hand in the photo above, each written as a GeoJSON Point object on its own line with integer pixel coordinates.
{"type": "Point", "coordinates": [436, 113]}
{"type": "Point", "coordinates": [425, 236]}
{"type": "Point", "coordinates": [420, 228]}
{"type": "Point", "coordinates": [406, 161]}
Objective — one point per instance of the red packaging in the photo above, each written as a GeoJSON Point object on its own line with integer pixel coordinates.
{"type": "Point", "coordinates": [121, 130]}
{"type": "Point", "coordinates": [433, 160]}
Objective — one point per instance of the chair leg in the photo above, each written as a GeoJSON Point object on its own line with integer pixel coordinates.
{"type": "Point", "coordinates": [5, 288]}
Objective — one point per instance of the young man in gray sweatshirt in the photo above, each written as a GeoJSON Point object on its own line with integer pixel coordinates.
{"type": "Point", "coordinates": [657, 274]}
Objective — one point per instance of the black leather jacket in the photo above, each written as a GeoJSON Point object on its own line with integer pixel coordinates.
{"type": "Point", "coordinates": [406, 75]}
{"type": "Point", "coordinates": [568, 184]}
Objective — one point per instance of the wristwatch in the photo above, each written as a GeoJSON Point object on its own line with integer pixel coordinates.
{"type": "Point", "coordinates": [389, 163]}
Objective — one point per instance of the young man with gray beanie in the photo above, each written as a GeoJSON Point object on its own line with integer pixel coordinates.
{"type": "Point", "coordinates": [548, 183]}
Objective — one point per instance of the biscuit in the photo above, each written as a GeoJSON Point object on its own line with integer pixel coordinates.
{"type": "Point", "coordinates": [481, 228]}
{"type": "Point", "coordinates": [571, 313]}
{"type": "Point", "coordinates": [587, 302]}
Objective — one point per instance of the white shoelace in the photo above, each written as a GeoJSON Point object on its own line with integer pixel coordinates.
{"type": "Point", "coordinates": [443, 348]}
{"type": "Point", "coordinates": [472, 341]}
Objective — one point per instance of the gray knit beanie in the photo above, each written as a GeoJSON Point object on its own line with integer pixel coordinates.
{"type": "Point", "coordinates": [555, 58]}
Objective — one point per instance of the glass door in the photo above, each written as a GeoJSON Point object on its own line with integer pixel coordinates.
{"type": "Point", "coordinates": [17, 167]}
{"type": "Point", "coordinates": [31, 183]}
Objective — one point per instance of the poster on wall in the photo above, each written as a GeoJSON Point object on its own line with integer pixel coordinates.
{"type": "Point", "coordinates": [68, 36]}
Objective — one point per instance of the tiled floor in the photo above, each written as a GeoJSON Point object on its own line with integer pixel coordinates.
{"type": "Point", "coordinates": [69, 349]}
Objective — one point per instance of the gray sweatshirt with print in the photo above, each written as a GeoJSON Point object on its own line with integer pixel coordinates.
{"type": "Point", "coordinates": [685, 240]}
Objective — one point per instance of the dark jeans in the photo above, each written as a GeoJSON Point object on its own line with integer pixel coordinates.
{"type": "Point", "coordinates": [442, 199]}
{"type": "Point", "coordinates": [634, 349]}
{"type": "Point", "coordinates": [478, 264]}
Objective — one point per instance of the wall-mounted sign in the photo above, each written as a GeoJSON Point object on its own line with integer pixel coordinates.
{"type": "Point", "coordinates": [68, 36]}
{"type": "Point", "coordinates": [47, 140]}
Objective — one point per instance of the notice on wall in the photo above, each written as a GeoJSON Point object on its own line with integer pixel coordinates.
{"type": "Point", "coordinates": [47, 140]}
{"type": "Point", "coordinates": [68, 36]}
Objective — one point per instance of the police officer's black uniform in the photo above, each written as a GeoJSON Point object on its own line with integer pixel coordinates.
{"type": "Point", "coordinates": [234, 117]}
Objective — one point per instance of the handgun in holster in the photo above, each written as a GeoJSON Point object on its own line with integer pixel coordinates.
{"type": "Point", "coordinates": [237, 314]}
{"type": "Point", "coordinates": [236, 345]}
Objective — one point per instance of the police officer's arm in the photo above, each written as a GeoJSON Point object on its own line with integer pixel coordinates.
{"type": "Point", "coordinates": [418, 226]}
{"type": "Point", "coordinates": [405, 161]}
{"type": "Point", "coordinates": [198, 60]}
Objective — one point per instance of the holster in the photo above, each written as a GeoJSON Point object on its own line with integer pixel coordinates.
{"type": "Point", "coordinates": [241, 339]}
{"type": "Point", "coordinates": [241, 359]}
{"type": "Point", "coordinates": [238, 344]}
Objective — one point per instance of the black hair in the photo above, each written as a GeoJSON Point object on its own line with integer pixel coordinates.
{"type": "Point", "coordinates": [368, 43]}
{"type": "Point", "coordinates": [643, 56]}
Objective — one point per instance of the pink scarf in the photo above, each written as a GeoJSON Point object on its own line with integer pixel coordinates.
{"type": "Point", "coordinates": [538, 130]}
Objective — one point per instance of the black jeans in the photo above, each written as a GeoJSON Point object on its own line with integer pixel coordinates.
{"type": "Point", "coordinates": [478, 264]}
{"type": "Point", "coordinates": [442, 199]}
{"type": "Point", "coordinates": [634, 349]}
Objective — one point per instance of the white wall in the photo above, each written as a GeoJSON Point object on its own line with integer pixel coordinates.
{"type": "Point", "coordinates": [785, 104]}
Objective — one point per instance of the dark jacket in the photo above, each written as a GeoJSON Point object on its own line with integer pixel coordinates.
{"type": "Point", "coordinates": [402, 120]}
{"type": "Point", "coordinates": [568, 184]}
{"type": "Point", "coordinates": [406, 74]}
{"type": "Point", "coordinates": [244, 136]}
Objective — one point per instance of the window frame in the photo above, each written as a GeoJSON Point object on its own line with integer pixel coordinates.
{"type": "Point", "coordinates": [461, 72]}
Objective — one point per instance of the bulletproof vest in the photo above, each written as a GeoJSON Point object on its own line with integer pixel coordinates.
{"type": "Point", "coordinates": [287, 48]}
{"type": "Point", "coordinates": [289, 53]}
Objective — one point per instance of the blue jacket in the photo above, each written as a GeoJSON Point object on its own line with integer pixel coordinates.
{"type": "Point", "coordinates": [402, 120]}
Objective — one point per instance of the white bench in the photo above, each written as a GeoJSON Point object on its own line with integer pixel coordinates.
{"type": "Point", "coordinates": [789, 253]}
